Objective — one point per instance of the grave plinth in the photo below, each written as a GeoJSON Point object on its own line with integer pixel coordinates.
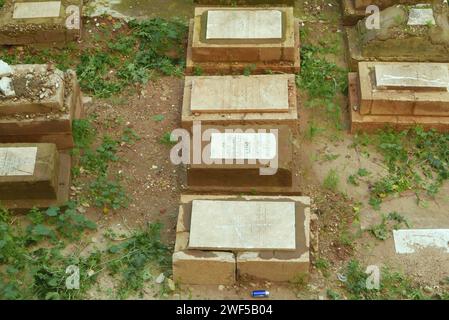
{"type": "Point", "coordinates": [407, 34]}
{"type": "Point", "coordinates": [46, 102]}
{"type": "Point", "coordinates": [242, 159]}
{"type": "Point", "coordinates": [257, 99]}
{"type": "Point", "coordinates": [231, 40]}
{"type": "Point", "coordinates": [263, 237]}
{"type": "Point", "coordinates": [28, 22]}
{"type": "Point", "coordinates": [400, 95]}
{"type": "Point", "coordinates": [33, 175]}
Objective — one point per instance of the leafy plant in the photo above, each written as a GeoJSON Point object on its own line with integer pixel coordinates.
{"type": "Point", "coordinates": [331, 180]}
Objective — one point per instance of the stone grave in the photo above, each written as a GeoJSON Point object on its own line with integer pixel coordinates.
{"type": "Point", "coordinates": [232, 40]}
{"type": "Point", "coordinates": [242, 159]}
{"type": "Point", "coordinates": [38, 104]}
{"type": "Point", "coordinates": [400, 95]}
{"type": "Point", "coordinates": [27, 22]}
{"type": "Point", "coordinates": [33, 175]}
{"type": "Point", "coordinates": [354, 10]}
{"type": "Point", "coordinates": [414, 33]}
{"type": "Point", "coordinates": [223, 238]}
{"type": "Point", "coordinates": [257, 99]}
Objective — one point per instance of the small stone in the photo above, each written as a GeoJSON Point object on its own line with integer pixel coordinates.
{"type": "Point", "coordinates": [6, 87]}
{"type": "Point", "coordinates": [160, 278]}
{"type": "Point", "coordinates": [221, 287]}
{"type": "Point", "coordinates": [90, 272]}
{"type": "Point", "coordinates": [171, 284]}
{"type": "Point", "coordinates": [87, 101]}
{"type": "Point", "coordinates": [5, 69]}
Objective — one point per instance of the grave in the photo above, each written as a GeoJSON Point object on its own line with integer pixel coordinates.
{"type": "Point", "coordinates": [355, 10]}
{"type": "Point", "coordinates": [42, 107]}
{"type": "Point", "coordinates": [232, 40]}
{"type": "Point", "coordinates": [408, 34]}
{"type": "Point", "coordinates": [33, 175]}
{"type": "Point", "coordinates": [242, 159]}
{"type": "Point", "coordinates": [257, 99]}
{"type": "Point", "coordinates": [400, 95]}
{"type": "Point", "coordinates": [27, 22]}
{"type": "Point", "coordinates": [245, 237]}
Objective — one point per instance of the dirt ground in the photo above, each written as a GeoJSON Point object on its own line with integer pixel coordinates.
{"type": "Point", "coordinates": [154, 185]}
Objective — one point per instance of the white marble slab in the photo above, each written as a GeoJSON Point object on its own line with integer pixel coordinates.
{"type": "Point", "coordinates": [416, 75]}
{"type": "Point", "coordinates": [17, 161]}
{"type": "Point", "coordinates": [242, 225]}
{"type": "Point", "coordinates": [29, 10]}
{"type": "Point", "coordinates": [244, 24]}
{"type": "Point", "coordinates": [243, 146]}
{"type": "Point", "coordinates": [411, 240]}
{"type": "Point", "coordinates": [268, 93]}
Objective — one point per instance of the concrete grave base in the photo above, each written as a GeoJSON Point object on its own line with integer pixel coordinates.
{"type": "Point", "coordinates": [62, 184]}
{"type": "Point", "coordinates": [246, 177]}
{"type": "Point", "coordinates": [396, 41]}
{"type": "Point", "coordinates": [371, 123]}
{"type": "Point", "coordinates": [31, 27]}
{"type": "Point", "coordinates": [238, 56]}
{"type": "Point", "coordinates": [227, 267]}
{"type": "Point", "coordinates": [355, 10]}
{"type": "Point", "coordinates": [53, 127]}
{"type": "Point", "coordinates": [239, 118]}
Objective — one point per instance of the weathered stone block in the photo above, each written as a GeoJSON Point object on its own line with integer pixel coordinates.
{"type": "Point", "coordinates": [28, 22]}
{"type": "Point", "coordinates": [259, 99]}
{"type": "Point", "coordinates": [249, 160]}
{"type": "Point", "coordinates": [204, 267]}
{"type": "Point", "coordinates": [28, 171]}
{"type": "Point", "coordinates": [236, 37]}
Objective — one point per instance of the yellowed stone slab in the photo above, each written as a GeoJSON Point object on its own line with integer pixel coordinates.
{"type": "Point", "coordinates": [267, 93]}
{"type": "Point", "coordinates": [242, 225]}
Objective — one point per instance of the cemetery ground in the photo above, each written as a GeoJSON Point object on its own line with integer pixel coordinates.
{"type": "Point", "coordinates": [119, 227]}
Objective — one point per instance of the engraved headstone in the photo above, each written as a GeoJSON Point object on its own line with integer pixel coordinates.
{"type": "Point", "coordinates": [17, 161]}
{"type": "Point", "coordinates": [234, 225]}
{"type": "Point", "coordinates": [244, 24]}
{"type": "Point", "coordinates": [243, 146]}
{"type": "Point", "coordinates": [417, 75]}
{"type": "Point", "coordinates": [420, 16]}
{"type": "Point", "coordinates": [268, 93]}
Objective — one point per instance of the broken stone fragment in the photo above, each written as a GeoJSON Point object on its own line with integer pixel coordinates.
{"type": "Point", "coordinates": [6, 88]}
{"type": "Point", "coordinates": [5, 69]}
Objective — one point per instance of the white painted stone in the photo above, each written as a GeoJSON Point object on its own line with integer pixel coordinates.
{"type": "Point", "coordinates": [420, 16]}
{"type": "Point", "coordinates": [235, 225]}
{"type": "Point", "coordinates": [29, 10]}
{"type": "Point", "coordinates": [243, 146]}
{"type": "Point", "coordinates": [5, 69]}
{"type": "Point", "coordinates": [6, 87]}
{"type": "Point", "coordinates": [244, 24]}
{"type": "Point", "coordinates": [17, 161]}
{"type": "Point", "coordinates": [408, 241]}
{"type": "Point", "coordinates": [268, 93]}
{"type": "Point", "coordinates": [417, 75]}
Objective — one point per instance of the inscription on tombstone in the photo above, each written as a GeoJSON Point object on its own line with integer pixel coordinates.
{"type": "Point", "coordinates": [422, 75]}
{"type": "Point", "coordinates": [240, 94]}
{"type": "Point", "coordinates": [244, 24]}
{"type": "Point", "coordinates": [243, 146]}
{"type": "Point", "coordinates": [17, 161]}
{"type": "Point", "coordinates": [242, 225]}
